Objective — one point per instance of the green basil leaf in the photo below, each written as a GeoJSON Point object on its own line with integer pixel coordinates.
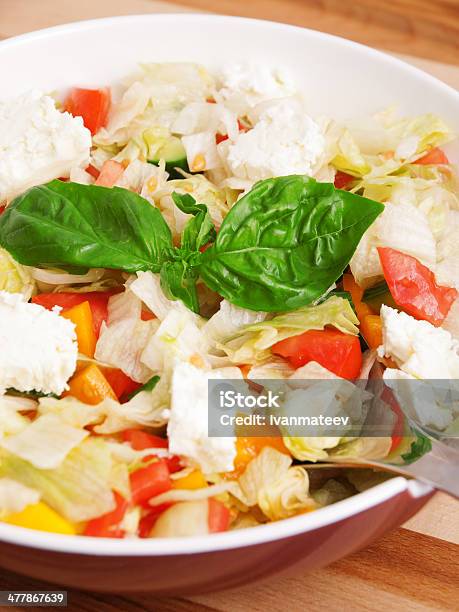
{"type": "Point", "coordinates": [178, 281]}
{"type": "Point", "coordinates": [199, 230]}
{"type": "Point", "coordinates": [68, 225]}
{"type": "Point", "coordinates": [148, 386]}
{"type": "Point", "coordinates": [187, 204]}
{"type": "Point", "coordinates": [419, 447]}
{"type": "Point", "coordinates": [284, 243]}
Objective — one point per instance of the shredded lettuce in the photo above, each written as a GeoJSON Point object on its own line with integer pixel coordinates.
{"type": "Point", "coordinates": [80, 488]}
{"type": "Point", "coordinates": [123, 341]}
{"type": "Point", "coordinates": [400, 226]}
{"type": "Point", "coordinates": [383, 144]}
{"type": "Point", "coordinates": [229, 320]}
{"type": "Point", "coordinates": [45, 442]}
{"type": "Point", "coordinates": [154, 97]}
{"type": "Point", "coordinates": [15, 278]}
{"type": "Point", "coordinates": [252, 343]}
{"type": "Point", "coordinates": [202, 190]}
{"type": "Point", "coordinates": [14, 497]}
{"type": "Point", "coordinates": [145, 409]}
{"type": "Point", "coordinates": [278, 489]}
{"type": "Point", "coordinates": [11, 421]}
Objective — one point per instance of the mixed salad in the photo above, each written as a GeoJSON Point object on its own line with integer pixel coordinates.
{"type": "Point", "coordinates": [188, 226]}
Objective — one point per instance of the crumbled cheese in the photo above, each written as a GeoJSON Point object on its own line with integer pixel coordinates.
{"type": "Point", "coordinates": [38, 349]}
{"type": "Point", "coordinates": [188, 421]}
{"type": "Point", "coordinates": [419, 349]}
{"type": "Point", "coordinates": [38, 143]}
{"type": "Point", "coordinates": [251, 84]}
{"type": "Point", "coordinates": [284, 141]}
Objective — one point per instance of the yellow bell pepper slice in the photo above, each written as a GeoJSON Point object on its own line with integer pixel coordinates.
{"type": "Point", "coordinates": [81, 316]}
{"type": "Point", "coordinates": [194, 480]}
{"type": "Point", "coordinates": [90, 386]}
{"type": "Point", "coordinates": [42, 518]}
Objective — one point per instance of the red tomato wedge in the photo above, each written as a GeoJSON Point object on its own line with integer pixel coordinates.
{"type": "Point", "coordinates": [107, 525]}
{"type": "Point", "coordinates": [98, 301]}
{"type": "Point", "coordinates": [434, 156]}
{"type": "Point", "coordinates": [221, 137]}
{"type": "Point", "coordinates": [120, 382]}
{"type": "Point", "coordinates": [414, 288]}
{"type": "Point", "coordinates": [150, 481]}
{"type": "Point", "coordinates": [342, 179]}
{"type": "Point", "coordinates": [2, 208]}
{"type": "Point", "coordinates": [110, 173]}
{"type": "Point", "coordinates": [148, 521]}
{"type": "Point", "coordinates": [146, 315]}
{"type": "Point", "coordinates": [92, 105]}
{"type": "Point", "coordinates": [338, 352]}
{"type": "Point", "coordinates": [140, 440]}
{"type": "Point", "coordinates": [93, 171]}
{"type": "Point", "coordinates": [218, 517]}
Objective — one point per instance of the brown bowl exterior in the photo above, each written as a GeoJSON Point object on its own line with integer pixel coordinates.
{"type": "Point", "coordinates": [187, 574]}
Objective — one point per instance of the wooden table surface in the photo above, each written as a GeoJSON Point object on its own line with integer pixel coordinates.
{"type": "Point", "coordinates": [417, 566]}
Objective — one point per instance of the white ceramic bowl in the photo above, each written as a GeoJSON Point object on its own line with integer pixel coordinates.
{"type": "Point", "coordinates": [338, 78]}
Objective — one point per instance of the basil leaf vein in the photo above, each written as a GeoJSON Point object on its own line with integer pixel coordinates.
{"type": "Point", "coordinates": [284, 243]}
{"type": "Point", "coordinates": [70, 225]}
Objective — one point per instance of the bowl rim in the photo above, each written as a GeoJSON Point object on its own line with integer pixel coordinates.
{"type": "Point", "coordinates": [286, 528]}
{"type": "Point", "coordinates": [272, 531]}
{"type": "Point", "coordinates": [87, 24]}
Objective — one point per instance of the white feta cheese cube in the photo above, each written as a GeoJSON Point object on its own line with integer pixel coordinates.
{"type": "Point", "coordinates": [38, 143]}
{"type": "Point", "coordinates": [38, 348]}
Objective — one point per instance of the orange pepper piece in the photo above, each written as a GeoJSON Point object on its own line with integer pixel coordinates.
{"type": "Point", "coordinates": [247, 448]}
{"type": "Point", "coordinates": [356, 292]}
{"type": "Point", "coordinates": [90, 386]}
{"type": "Point", "coordinates": [81, 316]}
{"type": "Point", "coordinates": [371, 330]}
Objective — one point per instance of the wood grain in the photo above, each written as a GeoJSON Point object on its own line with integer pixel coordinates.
{"type": "Point", "coordinates": [424, 28]}
{"type": "Point", "coordinates": [403, 571]}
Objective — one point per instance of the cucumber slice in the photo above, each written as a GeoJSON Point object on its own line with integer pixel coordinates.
{"type": "Point", "coordinates": [378, 295]}
{"type": "Point", "coordinates": [174, 154]}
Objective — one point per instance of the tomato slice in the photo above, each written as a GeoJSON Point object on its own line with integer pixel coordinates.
{"type": "Point", "coordinates": [342, 179]}
{"type": "Point", "coordinates": [107, 525]}
{"type": "Point", "coordinates": [218, 517]}
{"type": "Point", "coordinates": [221, 137]}
{"type": "Point", "coordinates": [92, 105]}
{"type": "Point", "coordinates": [93, 171]}
{"type": "Point", "coordinates": [434, 156]}
{"type": "Point", "coordinates": [110, 173]}
{"type": "Point", "coordinates": [120, 382]}
{"type": "Point", "coordinates": [174, 464]}
{"type": "Point", "coordinates": [338, 352]}
{"type": "Point", "coordinates": [140, 440]}
{"type": "Point", "coordinates": [147, 522]}
{"type": "Point", "coordinates": [98, 301]}
{"type": "Point", "coordinates": [414, 288]}
{"type": "Point", "coordinates": [150, 481]}
{"type": "Point", "coordinates": [146, 315]}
